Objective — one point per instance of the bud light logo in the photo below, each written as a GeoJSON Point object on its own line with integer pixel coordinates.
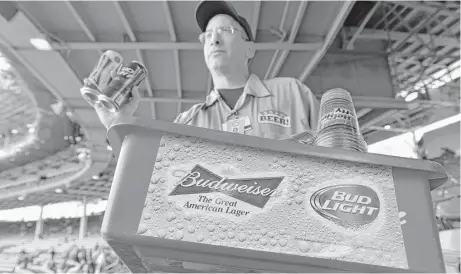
{"type": "Point", "coordinates": [347, 205]}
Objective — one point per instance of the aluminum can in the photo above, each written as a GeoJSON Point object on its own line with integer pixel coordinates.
{"type": "Point", "coordinates": [100, 76]}
{"type": "Point", "coordinates": [118, 92]}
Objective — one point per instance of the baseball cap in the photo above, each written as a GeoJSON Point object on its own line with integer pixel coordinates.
{"type": "Point", "coordinates": [207, 9]}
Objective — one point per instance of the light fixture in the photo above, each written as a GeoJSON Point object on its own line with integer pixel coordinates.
{"type": "Point", "coordinates": [58, 190]}
{"type": "Point", "coordinates": [4, 64]}
{"type": "Point", "coordinates": [21, 198]}
{"type": "Point", "coordinates": [412, 96]}
{"type": "Point", "coordinates": [40, 43]}
{"type": "Point", "coordinates": [403, 93]}
{"type": "Point", "coordinates": [14, 131]}
{"type": "Point", "coordinates": [95, 177]}
{"type": "Point", "coordinates": [109, 148]}
{"type": "Point", "coordinates": [387, 127]}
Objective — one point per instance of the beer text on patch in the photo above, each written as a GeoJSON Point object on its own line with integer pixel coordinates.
{"type": "Point", "coordinates": [274, 117]}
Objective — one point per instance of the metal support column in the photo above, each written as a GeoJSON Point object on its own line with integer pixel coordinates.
{"type": "Point", "coordinates": [83, 221]}
{"type": "Point", "coordinates": [39, 225]}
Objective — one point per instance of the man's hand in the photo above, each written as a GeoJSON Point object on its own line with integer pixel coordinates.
{"type": "Point", "coordinates": [307, 137]}
{"type": "Point", "coordinates": [107, 118]}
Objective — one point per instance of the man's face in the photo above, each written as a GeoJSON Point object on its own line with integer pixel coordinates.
{"type": "Point", "coordinates": [225, 51]}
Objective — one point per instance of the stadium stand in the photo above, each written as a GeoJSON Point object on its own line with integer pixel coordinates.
{"type": "Point", "coordinates": [59, 250]}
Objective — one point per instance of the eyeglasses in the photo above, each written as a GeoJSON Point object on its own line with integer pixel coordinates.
{"type": "Point", "coordinates": [230, 30]}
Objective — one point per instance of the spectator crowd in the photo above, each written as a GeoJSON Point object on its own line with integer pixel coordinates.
{"type": "Point", "coordinates": [99, 259]}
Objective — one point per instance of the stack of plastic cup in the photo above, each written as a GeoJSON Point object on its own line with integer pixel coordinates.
{"type": "Point", "coordinates": [338, 126]}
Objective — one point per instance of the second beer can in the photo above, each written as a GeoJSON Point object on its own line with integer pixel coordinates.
{"type": "Point", "coordinates": [118, 92]}
{"type": "Point", "coordinates": [100, 76]}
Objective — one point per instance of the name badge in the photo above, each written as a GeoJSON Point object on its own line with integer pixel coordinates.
{"type": "Point", "coordinates": [239, 125]}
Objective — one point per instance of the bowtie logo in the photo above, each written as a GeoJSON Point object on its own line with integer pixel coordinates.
{"type": "Point", "coordinates": [255, 191]}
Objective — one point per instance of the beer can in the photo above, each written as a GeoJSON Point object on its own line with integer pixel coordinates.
{"type": "Point", "coordinates": [118, 92]}
{"type": "Point", "coordinates": [100, 76]}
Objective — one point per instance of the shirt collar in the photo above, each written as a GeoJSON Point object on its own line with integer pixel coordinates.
{"type": "Point", "coordinates": [254, 86]}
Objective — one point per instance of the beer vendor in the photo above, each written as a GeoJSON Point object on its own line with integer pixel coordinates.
{"type": "Point", "coordinates": [240, 102]}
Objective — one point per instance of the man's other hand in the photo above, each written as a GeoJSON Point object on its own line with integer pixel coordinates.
{"type": "Point", "coordinates": [107, 118]}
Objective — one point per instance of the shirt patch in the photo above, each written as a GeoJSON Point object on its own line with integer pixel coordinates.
{"type": "Point", "coordinates": [274, 117]}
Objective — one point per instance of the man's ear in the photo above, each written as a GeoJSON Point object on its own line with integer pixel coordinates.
{"type": "Point", "coordinates": [251, 50]}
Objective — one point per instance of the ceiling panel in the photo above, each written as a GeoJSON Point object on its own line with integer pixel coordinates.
{"type": "Point", "coordinates": [261, 62]}
{"type": "Point", "coordinates": [166, 111]}
{"type": "Point", "coordinates": [295, 63]}
{"type": "Point", "coordinates": [318, 17]}
{"type": "Point", "coordinates": [47, 13]}
{"type": "Point", "coordinates": [145, 16]}
{"type": "Point", "coordinates": [194, 74]}
{"type": "Point", "coordinates": [184, 20]}
{"type": "Point", "coordinates": [162, 69]}
{"type": "Point", "coordinates": [101, 18]}
{"type": "Point", "coordinates": [83, 61]}
{"type": "Point", "coordinates": [271, 14]}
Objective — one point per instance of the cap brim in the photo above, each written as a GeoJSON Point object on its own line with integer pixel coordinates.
{"type": "Point", "coordinates": [207, 9]}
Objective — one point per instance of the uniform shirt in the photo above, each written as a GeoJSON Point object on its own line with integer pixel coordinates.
{"type": "Point", "coordinates": [277, 108]}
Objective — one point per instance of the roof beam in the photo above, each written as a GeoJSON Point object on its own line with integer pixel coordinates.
{"type": "Point", "coordinates": [362, 112]}
{"type": "Point", "coordinates": [359, 101]}
{"type": "Point", "coordinates": [401, 21]}
{"type": "Point", "coordinates": [255, 18]}
{"type": "Point", "coordinates": [29, 66]}
{"type": "Point", "coordinates": [350, 44]}
{"type": "Point", "coordinates": [414, 31]}
{"type": "Point", "coordinates": [81, 23]}
{"type": "Point", "coordinates": [87, 193]}
{"type": "Point", "coordinates": [294, 31]}
{"type": "Point", "coordinates": [24, 19]}
{"type": "Point", "coordinates": [384, 17]}
{"type": "Point", "coordinates": [282, 34]}
{"type": "Point", "coordinates": [331, 35]}
{"type": "Point", "coordinates": [426, 49]}
{"type": "Point", "coordinates": [425, 7]}
{"type": "Point", "coordinates": [172, 100]}
{"type": "Point", "coordinates": [379, 118]}
{"type": "Point", "coordinates": [424, 68]}
{"type": "Point", "coordinates": [132, 37]}
{"type": "Point", "coordinates": [29, 19]}
{"type": "Point", "coordinates": [374, 34]}
{"type": "Point", "coordinates": [169, 20]}
{"type": "Point", "coordinates": [313, 46]}
{"type": "Point", "coordinates": [392, 129]}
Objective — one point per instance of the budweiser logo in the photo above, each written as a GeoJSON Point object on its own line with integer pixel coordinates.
{"type": "Point", "coordinates": [347, 205]}
{"type": "Point", "coordinates": [252, 190]}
